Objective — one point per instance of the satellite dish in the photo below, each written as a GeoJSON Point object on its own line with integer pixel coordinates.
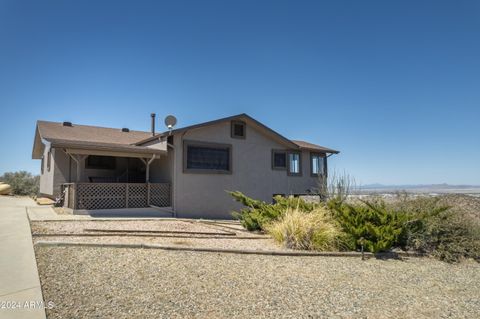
{"type": "Point", "coordinates": [170, 121]}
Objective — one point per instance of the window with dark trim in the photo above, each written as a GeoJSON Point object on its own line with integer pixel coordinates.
{"type": "Point", "coordinates": [294, 164]}
{"type": "Point", "coordinates": [238, 129]}
{"type": "Point", "coordinates": [42, 164]}
{"type": "Point", "coordinates": [279, 159]}
{"type": "Point", "coordinates": [317, 167]}
{"type": "Point", "coordinates": [100, 162]}
{"type": "Point", "coordinates": [201, 157]}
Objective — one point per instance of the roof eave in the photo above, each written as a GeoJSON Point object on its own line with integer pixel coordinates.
{"type": "Point", "coordinates": [329, 151]}
{"type": "Point", "coordinates": [37, 149]}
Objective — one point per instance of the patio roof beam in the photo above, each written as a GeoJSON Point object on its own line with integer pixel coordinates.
{"type": "Point", "coordinates": [109, 153]}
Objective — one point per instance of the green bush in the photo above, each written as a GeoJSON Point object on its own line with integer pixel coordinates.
{"type": "Point", "coordinates": [315, 230]}
{"type": "Point", "coordinates": [257, 214]}
{"type": "Point", "coordinates": [22, 182]}
{"type": "Point", "coordinates": [369, 223]}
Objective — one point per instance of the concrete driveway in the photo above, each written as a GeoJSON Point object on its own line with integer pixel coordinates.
{"type": "Point", "coordinates": [20, 290]}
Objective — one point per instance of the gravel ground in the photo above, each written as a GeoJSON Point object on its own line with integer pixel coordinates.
{"type": "Point", "coordinates": [139, 283]}
{"type": "Point", "coordinates": [159, 225]}
{"type": "Point", "coordinates": [218, 242]}
{"type": "Point", "coordinates": [225, 241]}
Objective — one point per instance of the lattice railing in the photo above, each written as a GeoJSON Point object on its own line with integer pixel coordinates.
{"type": "Point", "coordinates": [118, 195]}
{"type": "Point", "coordinates": [160, 195]}
{"type": "Point", "coordinates": [100, 195]}
{"type": "Point", "coordinates": [137, 195]}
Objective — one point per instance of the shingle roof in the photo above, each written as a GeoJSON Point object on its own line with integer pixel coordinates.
{"type": "Point", "coordinates": [88, 137]}
{"type": "Point", "coordinates": [86, 133]}
{"type": "Point", "coordinates": [314, 147]}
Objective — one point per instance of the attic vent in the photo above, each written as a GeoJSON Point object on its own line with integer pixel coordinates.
{"type": "Point", "coordinates": [125, 129]}
{"type": "Point", "coordinates": [69, 124]}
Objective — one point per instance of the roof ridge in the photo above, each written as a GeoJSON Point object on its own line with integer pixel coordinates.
{"type": "Point", "coordinates": [96, 126]}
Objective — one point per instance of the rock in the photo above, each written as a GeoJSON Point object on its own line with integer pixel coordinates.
{"type": "Point", "coordinates": [45, 201]}
{"type": "Point", "coordinates": [5, 189]}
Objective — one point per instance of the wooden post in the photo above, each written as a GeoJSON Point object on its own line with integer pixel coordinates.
{"type": "Point", "coordinates": [79, 160]}
{"type": "Point", "coordinates": [147, 173]}
{"type": "Point", "coordinates": [147, 163]}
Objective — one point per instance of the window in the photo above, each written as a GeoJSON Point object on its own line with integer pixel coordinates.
{"type": "Point", "coordinates": [279, 159]}
{"type": "Point", "coordinates": [42, 164]}
{"type": "Point", "coordinates": [317, 164]}
{"type": "Point", "coordinates": [207, 158]}
{"type": "Point", "coordinates": [100, 162]}
{"type": "Point", "coordinates": [238, 129]}
{"type": "Point", "coordinates": [294, 165]}
{"type": "Point", "coordinates": [49, 159]}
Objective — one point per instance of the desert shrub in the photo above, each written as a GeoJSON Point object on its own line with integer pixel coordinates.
{"type": "Point", "coordinates": [439, 230]}
{"type": "Point", "coordinates": [422, 224]}
{"type": "Point", "coordinates": [257, 214]}
{"type": "Point", "coordinates": [315, 230]}
{"type": "Point", "coordinates": [369, 223]}
{"type": "Point", "coordinates": [448, 237]}
{"type": "Point", "coordinates": [338, 185]}
{"type": "Point", "coordinates": [22, 182]}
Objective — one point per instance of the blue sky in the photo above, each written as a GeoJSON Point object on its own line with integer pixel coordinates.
{"type": "Point", "coordinates": [394, 85]}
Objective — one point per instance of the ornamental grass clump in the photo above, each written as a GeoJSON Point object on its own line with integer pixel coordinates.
{"type": "Point", "coordinates": [315, 230]}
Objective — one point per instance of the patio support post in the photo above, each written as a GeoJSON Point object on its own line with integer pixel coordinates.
{"type": "Point", "coordinates": [147, 163]}
{"type": "Point", "coordinates": [79, 161]}
{"type": "Point", "coordinates": [147, 175]}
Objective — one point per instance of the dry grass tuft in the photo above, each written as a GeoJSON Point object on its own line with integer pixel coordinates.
{"type": "Point", "coordinates": [315, 230]}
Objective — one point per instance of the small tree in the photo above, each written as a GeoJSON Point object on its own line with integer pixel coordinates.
{"type": "Point", "coordinates": [22, 182]}
{"type": "Point", "coordinates": [336, 186]}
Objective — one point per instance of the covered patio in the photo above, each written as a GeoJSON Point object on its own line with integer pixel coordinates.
{"type": "Point", "coordinates": [116, 178]}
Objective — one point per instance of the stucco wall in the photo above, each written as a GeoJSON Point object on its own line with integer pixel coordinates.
{"type": "Point", "coordinates": [46, 178]}
{"type": "Point", "coordinates": [50, 181]}
{"type": "Point", "coordinates": [161, 170]}
{"type": "Point", "coordinates": [61, 174]}
{"type": "Point", "coordinates": [204, 195]}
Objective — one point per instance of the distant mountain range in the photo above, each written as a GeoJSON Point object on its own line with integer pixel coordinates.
{"type": "Point", "coordinates": [421, 188]}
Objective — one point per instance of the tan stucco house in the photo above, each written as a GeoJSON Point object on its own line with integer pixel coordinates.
{"type": "Point", "coordinates": [185, 171]}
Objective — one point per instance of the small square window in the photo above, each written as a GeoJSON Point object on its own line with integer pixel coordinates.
{"type": "Point", "coordinates": [279, 160]}
{"type": "Point", "coordinates": [238, 129]}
